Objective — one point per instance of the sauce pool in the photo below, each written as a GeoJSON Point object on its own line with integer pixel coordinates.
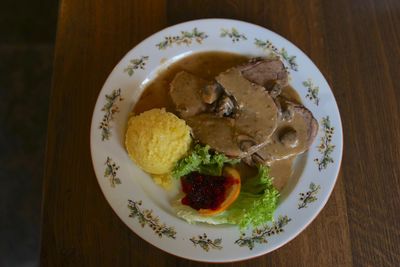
{"type": "Point", "coordinates": [206, 65]}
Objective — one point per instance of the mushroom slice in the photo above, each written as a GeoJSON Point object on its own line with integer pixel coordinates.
{"type": "Point", "coordinates": [211, 93]}
{"type": "Point", "coordinates": [226, 106]}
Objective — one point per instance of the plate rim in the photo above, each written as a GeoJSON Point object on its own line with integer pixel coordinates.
{"type": "Point", "coordinates": [324, 197]}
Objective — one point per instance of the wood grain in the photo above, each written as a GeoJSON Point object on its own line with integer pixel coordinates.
{"type": "Point", "coordinates": [356, 45]}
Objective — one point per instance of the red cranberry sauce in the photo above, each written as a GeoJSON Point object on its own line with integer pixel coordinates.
{"type": "Point", "coordinates": [205, 191]}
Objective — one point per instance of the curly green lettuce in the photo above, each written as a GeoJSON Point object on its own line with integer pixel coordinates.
{"type": "Point", "coordinates": [257, 201]}
{"type": "Point", "coordinates": [202, 160]}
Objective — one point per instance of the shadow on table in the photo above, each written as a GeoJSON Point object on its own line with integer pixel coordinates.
{"type": "Point", "coordinates": [26, 56]}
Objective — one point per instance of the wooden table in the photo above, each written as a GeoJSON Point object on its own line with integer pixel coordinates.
{"type": "Point", "coordinates": [356, 45]}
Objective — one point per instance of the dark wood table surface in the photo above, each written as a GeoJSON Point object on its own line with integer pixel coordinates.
{"type": "Point", "coordinates": [356, 45]}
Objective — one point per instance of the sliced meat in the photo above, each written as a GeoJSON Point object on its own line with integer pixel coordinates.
{"type": "Point", "coordinates": [237, 116]}
{"type": "Point", "coordinates": [185, 92]}
{"type": "Point", "coordinates": [265, 72]}
{"type": "Point", "coordinates": [217, 132]}
{"type": "Point", "coordinates": [252, 117]}
{"type": "Point", "coordinates": [256, 115]}
{"type": "Point", "coordinates": [292, 137]}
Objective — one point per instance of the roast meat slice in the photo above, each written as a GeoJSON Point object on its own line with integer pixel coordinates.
{"type": "Point", "coordinates": [257, 112]}
{"type": "Point", "coordinates": [255, 117]}
{"type": "Point", "coordinates": [295, 132]}
{"type": "Point", "coordinates": [186, 94]}
{"type": "Point", "coordinates": [265, 72]}
{"type": "Point", "coordinates": [237, 116]}
{"type": "Point", "coordinates": [217, 132]}
{"type": "Point", "coordinates": [242, 121]}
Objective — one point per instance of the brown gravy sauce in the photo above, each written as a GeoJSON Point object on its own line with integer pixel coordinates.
{"type": "Point", "coordinates": [207, 65]}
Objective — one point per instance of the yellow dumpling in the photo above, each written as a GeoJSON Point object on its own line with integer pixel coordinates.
{"type": "Point", "coordinates": [156, 140]}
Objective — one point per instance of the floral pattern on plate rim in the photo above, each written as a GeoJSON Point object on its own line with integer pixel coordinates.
{"type": "Point", "coordinates": [146, 217]}
{"type": "Point", "coordinates": [312, 91]}
{"type": "Point", "coordinates": [325, 146]}
{"type": "Point", "coordinates": [185, 37]}
{"type": "Point", "coordinates": [309, 196]}
{"type": "Point", "coordinates": [111, 172]}
{"type": "Point", "coordinates": [233, 34]}
{"type": "Point", "coordinates": [109, 108]}
{"type": "Point", "coordinates": [136, 63]}
{"type": "Point", "coordinates": [259, 235]}
{"type": "Point", "coordinates": [273, 50]}
{"type": "Point", "coordinates": [206, 243]}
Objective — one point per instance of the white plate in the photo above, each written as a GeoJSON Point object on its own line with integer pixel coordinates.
{"type": "Point", "coordinates": [145, 208]}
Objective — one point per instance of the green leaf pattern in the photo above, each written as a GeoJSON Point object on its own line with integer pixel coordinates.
{"type": "Point", "coordinates": [137, 63]}
{"type": "Point", "coordinates": [184, 37]}
{"type": "Point", "coordinates": [111, 172]}
{"type": "Point", "coordinates": [312, 91]}
{"type": "Point", "coordinates": [206, 243]}
{"type": "Point", "coordinates": [233, 34]}
{"type": "Point", "coordinates": [274, 51]}
{"type": "Point", "coordinates": [325, 147]}
{"type": "Point", "coordinates": [109, 108]}
{"type": "Point", "coordinates": [260, 235]}
{"type": "Point", "coordinates": [309, 196]}
{"type": "Point", "coordinates": [146, 217]}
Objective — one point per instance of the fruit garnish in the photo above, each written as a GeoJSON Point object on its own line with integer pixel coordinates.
{"type": "Point", "coordinates": [208, 194]}
{"type": "Point", "coordinates": [231, 193]}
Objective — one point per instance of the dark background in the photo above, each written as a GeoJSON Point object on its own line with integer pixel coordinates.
{"type": "Point", "coordinates": [26, 55]}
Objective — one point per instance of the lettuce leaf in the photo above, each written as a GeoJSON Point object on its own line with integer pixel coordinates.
{"type": "Point", "coordinates": [203, 161]}
{"type": "Point", "coordinates": [257, 201]}
{"type": "Point", "coordinates": [255, 205]}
